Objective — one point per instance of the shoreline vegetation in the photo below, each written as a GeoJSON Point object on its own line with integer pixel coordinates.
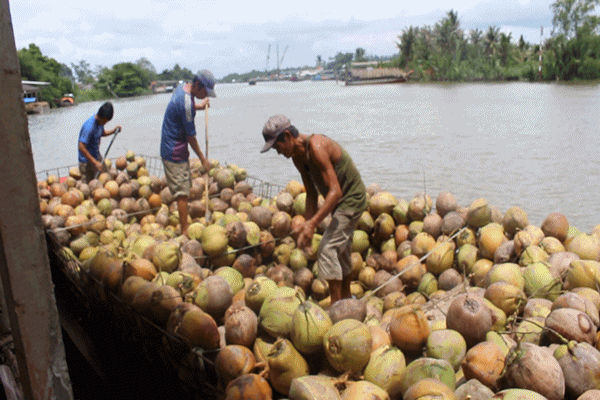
{"type": "Point", "coordinates": [443, 52]}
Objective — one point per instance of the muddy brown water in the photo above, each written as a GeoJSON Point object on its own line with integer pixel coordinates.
{"type": "Point", "coordinates": [530, 145]}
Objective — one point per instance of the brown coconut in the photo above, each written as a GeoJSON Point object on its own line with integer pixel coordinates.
{"type": "Point", "coordinates": [556, 225]}
{"type": "Point", "coordinates": [347, 309]}
{"type": "Point", "coordinates": [241, 325]}
{"type": "Point", "coordinates": [484, 362]}
{"type": "Point", "coordinates": [409, 329]}
{"type": "Point", "coordinates": [469, 316]}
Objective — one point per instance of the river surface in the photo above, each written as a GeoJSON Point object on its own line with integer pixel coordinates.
{"type": "Point", "coordinates": [530, 145]}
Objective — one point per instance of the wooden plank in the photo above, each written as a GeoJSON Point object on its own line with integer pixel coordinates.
{"type": "Point", "coordinates": [24, 266]}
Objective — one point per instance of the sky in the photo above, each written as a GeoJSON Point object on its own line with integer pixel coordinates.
{"type": "Point", "coordinates": [234, 37]}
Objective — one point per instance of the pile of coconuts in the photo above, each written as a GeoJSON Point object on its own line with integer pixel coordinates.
{"type": "Point", "coordinates": [449, 301]}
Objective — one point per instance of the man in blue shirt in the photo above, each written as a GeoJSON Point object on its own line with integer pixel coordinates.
{"type": "Point", "coordinates": [90, 160]}
{"type": "Point", "coordinates": [179, 130]}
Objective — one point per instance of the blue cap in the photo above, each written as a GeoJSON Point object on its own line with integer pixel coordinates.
{"type": "Point", "coordinates": [207, 79]}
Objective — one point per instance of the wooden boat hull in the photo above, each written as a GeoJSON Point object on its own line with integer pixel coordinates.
{"type": "Point", "coordinates": [377, 81]}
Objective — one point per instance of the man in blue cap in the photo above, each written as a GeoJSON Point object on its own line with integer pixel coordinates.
{"type": "Point", "coordinates": [179, 130]}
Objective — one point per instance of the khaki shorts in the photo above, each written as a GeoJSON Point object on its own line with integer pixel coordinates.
{"type": "Point", "coordinates": [88, 172]}
{"type": "Point", "coordinates": [179, 178]}
{"type": "Point", "coordinates": [334, 258]}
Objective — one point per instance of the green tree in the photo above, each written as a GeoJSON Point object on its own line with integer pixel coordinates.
{"type": "Point", "coordinates": [124, 80]}
{"type": "Point", "coordinates": [147, 69]}
{"type": "Point", "coordinates": [83, 72]}
{"type": "Point", "coordinates": [571, 15]}
{"type": "Point", "coordinates": [406, 43]}
{"type": "Point", "coordinates": [37, 67]}
{"type": "Point", "coordinates": [359, 55]}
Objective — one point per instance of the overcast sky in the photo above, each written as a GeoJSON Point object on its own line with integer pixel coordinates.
{"type": "Point", "coordinates": [233, 36]}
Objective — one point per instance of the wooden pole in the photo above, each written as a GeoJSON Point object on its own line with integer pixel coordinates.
{"type": "Point", "coordinates": [207, 208]}
{"type": "Point", "coordinates": [24, 263]}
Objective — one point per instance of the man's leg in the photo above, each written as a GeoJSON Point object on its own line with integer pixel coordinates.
{"type": "Point", "coordinates": [182, 208]}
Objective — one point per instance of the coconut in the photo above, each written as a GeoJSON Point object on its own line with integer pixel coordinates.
{"type": "Point", "coordinates": [556, 225]}
{"type": "Point", "coordinates": [419, 206]}
{"type": "Point", "coordinates": [249, 386]}
{"type": "Point", "coordinates": [383, 228]}
{"type": "Point", "coordinates": [509, 298]}
{"type": "Point", "coordinates": [587, 247]}
{"type": "Point", "coordinates": [162, 303]}
{"type": "Point", "coordinates": [214, 240]}
{"type": "Point", "coordinates": [449, 279]}
{"type": "Point", "coordinates": [473, 390]}
{"type": "Point", "coordinates": [479, 213]}
{"type": "Point", "coordinates": [347, 309]}
{"type": "Point", "coordinates": [281, 274]}
{"type": "Point", "coordinates": [583, 273]}
{"type": "Point", "coordinates": [365, 222]}
{"type": "Point", "coordinates": [385, 369]}
{"type": "Point", "coordinates": [425, 367]}
{"type": "Point", "coordinates": [233, 277]}
{"type": "Point", "coordinates": [441, 258]}
{"type": "Point", "coordinates": [535, 369]}
{"type": "Point", "coordinates": [347, 345]}
{"type": "Point", "coordinates": [484, 362]}
{"type": "Point", "coordinates": [507, 272]}
{"type": "Point", "coordinates": [364, 390]}
{"type": "Point", "coordinates": [539, 281]}
{"type": "Point", "coordinates": [233, 361]}
{"type": "Point", "coordinates": [432, 224]}
{"type": "Point", "coordinates": [469, 316]}
{"type": "Point", "coordinates": [429, 388]}
{"type": "Point", "coordinates": [551, 245]}
{"type": "Point", "coordinates": [140, 267]}
{"type": "Point", "coordinates": [262, 216]}
{"type": "Point", "coordinates": [313, 387]}
{"type": "Point", "coordinates": [309, 325]}
{"type": "Point", "coordinates": [213, 295]}
{"type": "Point", "coordinates": [409, 329]}
{"type": "Point", "coordinates": [183, 282]}
{"type": "Point", "coordinates": [384, 283]}
{"type": "Point", "coordinates": [130, 287]}
{"type": "Point", "coordinates": [422, 244]}
{"type": "Point", "coordinates": [294, 188]}
{"type": "Point", "coordinates": [360, 241]}
{"type": "Point", "coordinates": [267, 244]}
{"type": "Point", "coordinates": [299, 206]}
{"type": "Point", "coordinates": [580, 363]}
{"type": "Point", "coordinates": [167, 256]}
{"type": "Point", "coordinates": [277, 310]}
{"type": "Point", "coordinates": [452, 223]}
{"type": "Point", "coordinates": [411, 270]}
{"type": "Point", "coordinates": [446, 344]}
{"type": "Point", "coordinates": [445, 203]}
{"type": "Point", "coordinates": [285, 364]}
{"type": "Point", "coordinates": [382, 202]}
{"type": "Point", "coordinates": [225, 178]}
{"type": "Point", "coordinates": [400, 212]}
{"type": "Point", "coordinates": [559, 263]}
{"type": "Point", "coordinates": [514, 220]}
{"type": "Point", "coordinates": [570, 324]}
{"type": "Point", "coordinates": [256, 293]}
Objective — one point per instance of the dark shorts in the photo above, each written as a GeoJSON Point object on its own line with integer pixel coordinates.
{"type": "Point", "coordinates": [334, 257]}
{"type": "Point", "coordinates": [179, 178]}
{"type": "Point", "coordinates": [88, 172]}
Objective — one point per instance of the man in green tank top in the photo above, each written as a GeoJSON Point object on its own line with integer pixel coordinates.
{"type": "Point", "coordinates": [327, 169]}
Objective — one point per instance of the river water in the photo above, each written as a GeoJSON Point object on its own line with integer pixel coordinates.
{"type": "Point", "coordinates": [535, 146]}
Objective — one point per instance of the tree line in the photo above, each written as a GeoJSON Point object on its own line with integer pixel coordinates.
{"type": "Point", "coordinates": [442, 52]}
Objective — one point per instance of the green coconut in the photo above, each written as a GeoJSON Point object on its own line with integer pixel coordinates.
{"type": "Point", "coordinates": [299, 205]}
{"type": "Point", "coordinates": [400, 212]}
{"type": "Point", "coordinates": [298, 260]}
{"type": "Point", "coordinates": [167, 256]}
{"type": "Point", "coordinates": [364, 390]}
{"type": "Point", "coordinates": [507, 272]}
{"type": "Point", "coordinates": [419, 206]}
{"type": "Point", "coordinates": [233, 277]}
{"type": "Point", "coordinates": [252, 233]}
{"type": "Point", "coordinates": [446, 344]}
{"type": "Point", "coordinates": [281, 224]}
{"type": "Point", "coordinates": [285, 364]}
{"type": "Point", "coordinates": [310, 323]}
{"type": "Point", "coordinates": [498, 316]}
{"type": "Point", "coordinates": [225, 178]}
{"type": "Point", "coordinates": [539, 281]}
{"type": "Point", "coordinates": [426, 367]}
{"type": "Point", "coordinates": [347, 345]}
{"type": "Point", "coordinates": [506, 297]}
{"type": "Point", "coordinates": [313, 387]}
{"type": "Point", "coordinates": [214, 240]}
{"type": "Point", "coordinates": [276, 313]}
{"type": "Point", "coordinates": [479, 213]}
{"type": "Point", "coordinates": [282, 254]}
{"type": "Point", "coordinates": [382, 202]}
{"type": "Point", "coordinates": [441, 258]}
{"type": "Point", "coordinates": [532, 254]}
{"type": "Point", "coordinates": [383, 228]}
{"type": "Point", "coordinates": [518, 394]}
{"type": "Point", "coordinates": [580, 363]}
{"type": "Point", "coordinates": [365, 222]}
{"type": "Point", "coordinates": [529, 330]}
{"type": "Point", "coordinates": [195, 230]}
{"type": "Point", "coordinates": [385, 369]}
{"type": "Point", "coordinates": [587, 247]}
{"type": "Point", "coordinates": [515, 219]}
{"type": "Point", "coordinates": [256, 293]}
{"type": "Point", "coordinates": [466, 257]}
{"type": "Point", "coordinates": [360, 241]}
{"type": "Point", "coordinates": [583, 273]}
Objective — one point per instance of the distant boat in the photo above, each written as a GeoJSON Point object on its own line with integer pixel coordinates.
{"type": "Point", "coordinates": [252, 82]}
{"type": "Point", "coordinates": [67, 100]}
{"type": "Point", "coordinates": [377, 76]}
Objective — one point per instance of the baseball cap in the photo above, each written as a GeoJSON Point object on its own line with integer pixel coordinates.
{"type": "Point", "coordinates": [274, 126]}
{"type": "Point", "coordinates": [207, 79]}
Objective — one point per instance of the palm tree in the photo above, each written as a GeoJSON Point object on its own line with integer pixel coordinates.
{"type": "Point", "coordinates": [491, 41]}
{"type": "Point", "coordinates": [406, 44]}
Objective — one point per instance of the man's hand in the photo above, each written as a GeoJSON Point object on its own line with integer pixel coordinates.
{"type": "Point", "coordinates": [98, 165]}
{"type": "Point", "coordinates": [203, 104]}
{"type": "Point", "coordinates": [306, 231]}
{"type": "Point", "coordinates": [206, 165]}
